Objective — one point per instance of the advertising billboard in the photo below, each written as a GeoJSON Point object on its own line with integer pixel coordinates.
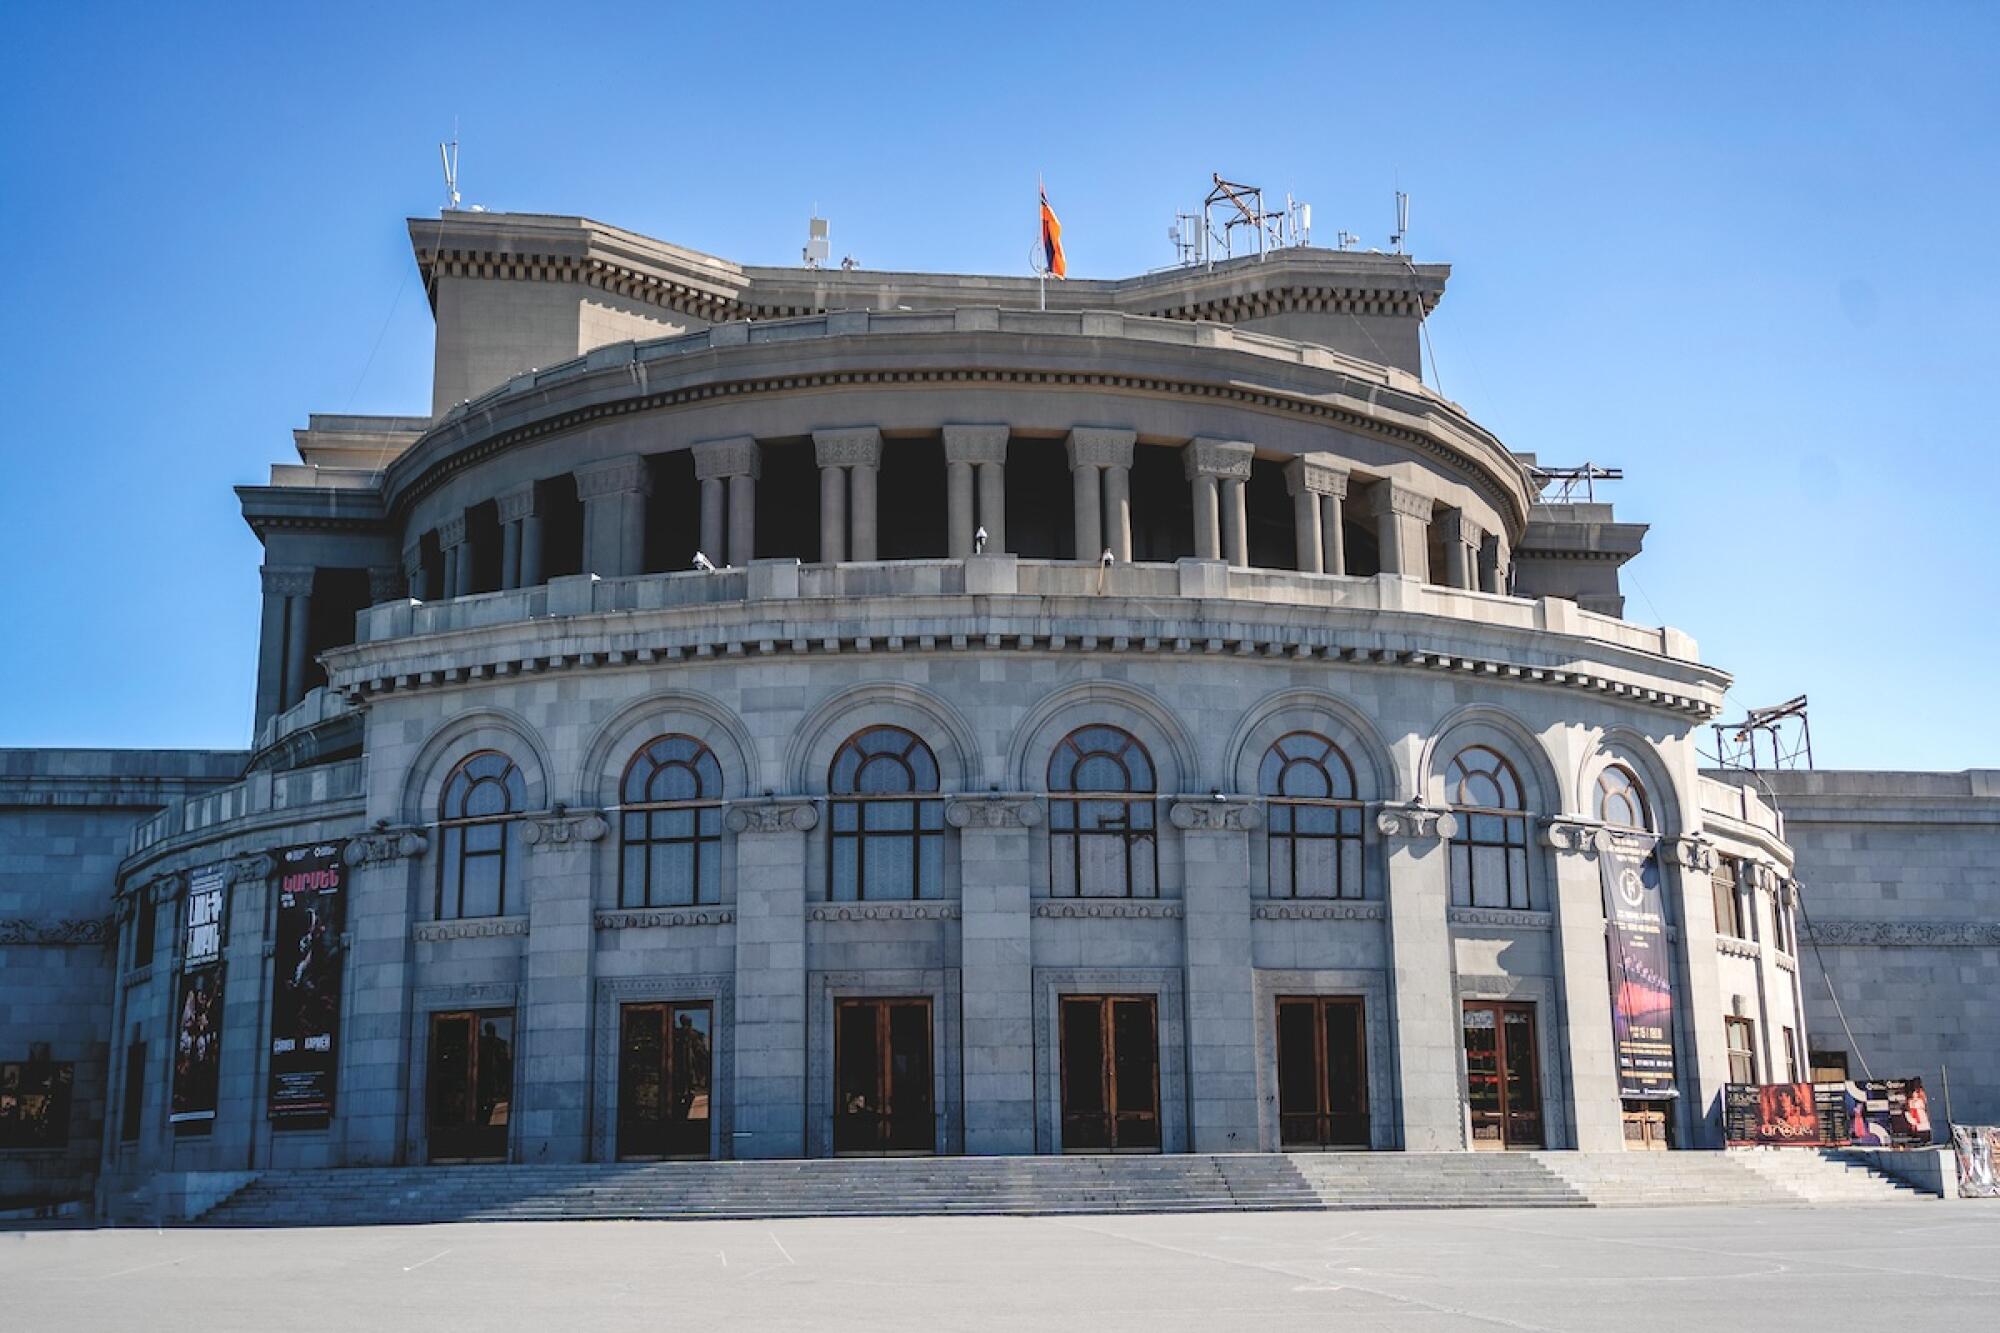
{"type": "Point", "coordinates": [305, 983]}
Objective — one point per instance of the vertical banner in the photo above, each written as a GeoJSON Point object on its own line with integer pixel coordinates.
{"type": "Point", "coordinates": [1977, 1148]}
{"type": "Point", "coordinates": [1642, 996]}
{"type": "Point", "coordinates": [198, 1015]}
{"type": "Point", "coordinates": [305, 981]}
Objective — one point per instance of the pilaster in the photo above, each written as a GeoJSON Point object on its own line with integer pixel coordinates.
{"type": "Point", "coordinates": [770, 1034]}
{"type": "Point", "coordinates": [614, 494]}
{"type": "Point", "coordinates": [554, 1063]}
{"type": "Point", "coordinates": [1584, 984]}
{"type": "Point", "coordinates": [379, 1110]}
{"type": "Point", "coordinates": [1423, 988]}
{"type": "Point", "coordinates": [1221, 1003]}
{"type": "Point", "coordinates": [997, 1028]}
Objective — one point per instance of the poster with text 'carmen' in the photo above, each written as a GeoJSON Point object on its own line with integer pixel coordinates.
{"type": "Point", "coordinates": [1642, 995]}
{"type": "Point", "coordinates": [305, 1002]}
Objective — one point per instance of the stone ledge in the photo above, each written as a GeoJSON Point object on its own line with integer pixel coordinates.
{"type": "Point", "coordinates": [651, 918]}
{"type": "Point", "coordinates": [472, 928]}
{"type": "Point", "coordinates": [1296, 909]}
{"type": "Point", "coordinates": [1738, 948]}
{"type": "Point", "coordinates": [1505, 918]}
{"type": "Point", "coordinates": [911, 911]}
{"type": "Point", "coordinates": [1107, 908]}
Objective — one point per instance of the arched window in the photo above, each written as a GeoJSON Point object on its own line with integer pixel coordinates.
{"type": "Point", "coordinates": [671, 803]}
{"type": "Point", "coordinates": [1315, 838]}
{"type": "Point", "coordinates": [479, 834]}
{"type": "Point", "coordinates": [1102, 846]}
{"type": "Point", "coordinates": [1489, 853]}
{"type": "Point", "coordinates": [888, 823]}
{"type": "Point", "coordinates": [1621, 801]}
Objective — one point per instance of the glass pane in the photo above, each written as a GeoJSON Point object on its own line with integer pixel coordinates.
{"type": "Point", "coordinates": [632, 884]}
{"type": "Point", "coordinates": [642, 1056]}
{"type": "Point", "coordinates": [1351, 883]}
{"type": "Point", "coordinates": [1517, 879]}
{"type": "Point", "coordinates": [1083, 1090]}
{"type": "Point", "coordinates": [857, 1079]}
{"type": "Point", "coordinates": [1298, 1072]}
{"type": "Point", "coordinates": [496, 1069]}
{"type": "Point", "coordinates": [711, 874]}
{"type": "Point", "coordinates": [1142, 859]}
{"type": "Point", "coordinates": [1317, 867]}
{"type": "Point", "coordinates": [1489, 877]}
{"type": "Point", "coordinates": [482, 886]}
{"type": "Point", "coordinates": [846, 884]}
{"type": "Point", "coordinates": [1102, 868]}
{"type": "Point", "coordinates": [1461, 875]}
{"type": "Point", "coordinates": [1062, 865]}
{"type": "Point", "coordinates": [930, 874]}
{"type": "Point", "coordinates": [1346, 1080]}
{"type": "Point", "coordinates": [1281, 868]}
{"type": "Point", "coordinates": [451, 1071]}
{"type": "Point", "coordinates": [888, 870]}
{"type": "Point", "coordinates": [690, 1071]}
{"type": "Point", "coordinates": [1135, 1070]}
{"type": "Point", "coordinates": [673, 874]}
{"type": "Point", "coordinates": [911, 1128]}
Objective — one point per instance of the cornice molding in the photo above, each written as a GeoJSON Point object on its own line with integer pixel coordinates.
{"type": "Point", "coordinates": [1735, 947]}
{"type": "Point", "coordinates": [1689, 854]}
{"type": "Point", "coordinates": [1389, 496]}
{"type": "Point", "coordinates": [451, 532]}
{"type": "Point", "coordinates": [859, 446]}
{"type": "Point", "coordinates": [975, 444]}
{"type": "Point", "coordinates": [384, 846]}
{"type": "Point", "coordinates": [624, 475]}
{"type": "Point", "coordinates": [1100, 446]}
{"type": "Point", "coordinates": [1205, 456]}
{"type": "Point", "coordinates": [1321, 474]}
{"type": "Point", "coordinates": [1568, 834]}
{"type": "Point", "coordinates": [736, 456]}
{"type": "Point", "coordinates": [517, 503]}
{"type": "Point", "coordinates": [287, 580]}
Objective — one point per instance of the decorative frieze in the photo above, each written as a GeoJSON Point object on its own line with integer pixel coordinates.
{"type": "Point", "coordinates": [664, 918]}
{"type": "Point", "coordinates": [561, 829]}
{"type": "Point", "coordinates": [1295, 909]}
{"type": "Point", "coordinates": [1907, 934]}
{"type": "Point", "coordinates": [1208, 457]}
{"type": "Point", "coordinates": [58, 931]}
{"type": "Point", "coordinates": [1318, 474]}
{"type": "Point", "coordinates": [1107, 908]}
{"type": "Point", "coordinates": [1417, 823]}
{"type": "Point", "coordinates": [858, 446]}
{"type": "Point", "coordinates": [771, 816]}
{"type": "Point", "coordinates": [737, 456]}
{"type": "Point", "coordinates": [1218, 814]}
{"type": "Point", "coordinates": [1502, 918]}
{"type": "Point", "coordinates": [976, 812]}
{"type": "Point", "coordinates": [385, 845]}
{"type": "Point", "coordinates": [1100, 446]}
{"type": "Point", "coordinates": [910, 911]}
{"type": "Point", "coordinates": [471, 928]}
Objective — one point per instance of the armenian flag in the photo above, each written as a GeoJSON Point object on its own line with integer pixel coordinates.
{"type": "Point", "coordinates": [1053, 261]}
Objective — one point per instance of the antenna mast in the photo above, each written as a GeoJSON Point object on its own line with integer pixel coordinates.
{"type": "Point", "coordinates": [448, 154]}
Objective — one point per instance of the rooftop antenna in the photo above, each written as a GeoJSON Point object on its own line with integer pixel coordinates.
{"type": "Point", "coordinates": [1402, 221]}
{"type": "Point", "coordinates": [818, 246]}
{"type": "Point", "coordinates": [1785, 729]}
{"type": "Point", "coordinates": [448, 152]}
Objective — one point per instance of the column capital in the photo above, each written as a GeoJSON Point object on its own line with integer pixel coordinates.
{"type": "Point", "coordinates": [975, 444]}
{"type": "Point", "coordinates": [1415, 823]}
{"type": "Point", "coordinates": [385, 845]}
{"type": "Point", "coordinates": [1698, 854]}
{"type": "Point", "coordinates": [288, 580]}
{"type": "Point", "coordinates": [1567, 834]}
{"type": "Point", "coordinates": [612, 477]}
{"type": "Point", "coordinates": [561, 829]}
{"type": "Point", "coordinates": [1208, 457]}
{"type": "Point", "coordinates": [1459, 528]}
{"type": "Point", "coordinates": [1320, 474]}
{"type": "Point", "coordinates": [995, 811]}
{"type": "Point", "coordinates": [1389, 496]}
{"type": "Point", "coordinates": [451, 532]}
{"type": "Point", "coordinates": [385, 584]}
{"type": "Point", "coordinates": [771, 815]}
{"type": "Point", "coordinates": [1215, 814]}
{"type": "Point", "coordinates": [1100, 446]}
{"type": "Point", "coordinates": [737, 456]}
{"type": "Point", "coordinates": [854, 446]}
{"type": "Point", "coordinates": [516, 504]}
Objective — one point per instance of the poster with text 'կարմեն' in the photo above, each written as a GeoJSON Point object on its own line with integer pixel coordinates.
{"type": "Point", "coordinates": [305, 983]}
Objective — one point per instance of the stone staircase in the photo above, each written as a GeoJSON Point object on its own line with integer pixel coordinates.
{"type": "Point", "coordinates": [892, 1187]}
{"type": "Point", "coordinates": [1745, 1176]}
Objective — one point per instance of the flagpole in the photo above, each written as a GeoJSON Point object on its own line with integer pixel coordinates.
{"type": "Point", "coordinates": [1041, 269]}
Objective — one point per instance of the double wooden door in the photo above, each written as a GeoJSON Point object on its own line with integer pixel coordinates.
{"type": "Point", "coordinates": [882, 1077]}
{"type": "Point", "coordinates": [1110, 1073]}
{"type": "Point", "coordinates": [470, 1082]}
{"type": "Point", "coordinates": [1322, 1072]}
{"type": "Point", "coordinates": [665, 1070]}
{"type": "Point", "coordinates": [1503, 1074]}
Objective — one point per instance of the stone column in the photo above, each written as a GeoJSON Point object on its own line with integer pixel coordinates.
{"type": "Point", "coordinates": [614, 494]}
{"type": "Point", "coordinates": [380, 1113]}
{"type": "Point", "coordinates": [1094, 450]}
{"type": "Point", "coordinates": [1423, 998]}
{"type": "Point", "coordinates": [1317, 485]}
{"type": "Point", "coordinates": [457, 556]}
{"type": "Point", "coordinates": [996, 961]}
{"type": "Point", "coordinates": [1584, 979]}
{"type": "Point", "coordinates": [770, 1032]}
{"type": "Point", "coordinates": [980, 449]}
{"type": "Point", "coordinates": [1493, 564]}
{"type": "Point", "coordinates": [1221, 1001]}
{"type": "Point", "coordinates": [287, 591]}
{"type": "Point", "coordinates": [1462, 540]}
{"type": "Point", "coordinates": [1118, 512]}
{"type": "Point", "coordinates": [1402, 518]}
{"type": "Point", "coordinates": [846, 495]}
{"type": "Point", "coordinates": [1216, 470]}
{"type": "Point", "coordinates": [298, 614]}
{"type": "Point", "coordinates": [714, 496]}
{"type": "Point", "coordinates": [734, 465]}
{"type": "Point", "coordinates": [517, 511]}
{"type": "Point", "coordinates": [416, 577]}
{"type": "Point", "coordinates": [556, 984]}
{"type": "Point", "coordinates": [958, 506]}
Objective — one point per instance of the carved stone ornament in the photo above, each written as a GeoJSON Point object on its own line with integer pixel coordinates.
{"type": "Point", "coordinates": [385, 584]}
{"type": "Point", "coordinates": [1316, 473]}
{"type": "Point", "coordinates": [773, 816]}
{"type": "Point", "coordinates": [1738, 948]}
{"type": "Point", "coordinates": [736, 456]}
{"type": "Point", "coordinates": [1304, 910]}
{"type": "Point", "coordinates": [883, 912]}
{"type": "Point", "coordinates": [470, 928]}
{"type": "Point", "coordinates": [1415, 822]}
{"type": "Point", "coordinates": [162, 888]}
{"type": "Point", "coordinates": [1107, 908]}
{"type": "Point", "coordinates": [556, 832]}
{"type": "Point", "coordinates": [860, 446]}
{"type": "Point", "coordinates": [649, 918]}
{"type": "Point", "coordinates": [1205, 457]}
{"type": "Point", "coordinates": [1100, 446]}
{"type": "Point", "coordinates": [1575, 835]}
{"type": "Point", "coordinates": [1688, 853]}
{"type": "Point", "coordinates": [62, 932]}
{"type": "Point", "coordinates": [288, 581]}
{"type": "Point", "coordinates": [252, 869]}
{"type": "Point", "coordinates": [1505, 918]}
{"type": "Point", "coordinates": [612, 477]}
{"type": "Point", "coordinates": [451, 532]}
{"type": "Point", "coordinates": [993, 811]}
{"type": "Point", "coordinates": [385, 845]}
{"type": "Point", "coordinates": [1908, 934]}
{"type": "Point", "coordinates": [975, 444]}
{"type": "Point", "coordinates": [1390, 497]}
{"type": "Point", "coordinates": [1227, 815]}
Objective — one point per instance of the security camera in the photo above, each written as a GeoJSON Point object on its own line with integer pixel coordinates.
{"type": "Point", "coordinates": [1107, 559]}
{"type": "Point", "coordinates": [979, 541]}
{"type": "Point", "coordinates": [703, 563]}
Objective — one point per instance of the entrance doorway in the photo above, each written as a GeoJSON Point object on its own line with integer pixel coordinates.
{"type": "Point", "coordinates": [1110, 1073]}
{"type": "Point", "coordinates": [1502, 1074]}
{"type": "Point", "coordinates": [665, 1061]}
{"type": "Point", "coordinates": [471, 1084]}
{"type": "Point", "coordinates": [1322, 1072]}
{"type": "Point", "coordinates": [882, 1084]}
{"type": "Point", "coordinates": [1647, 1128]}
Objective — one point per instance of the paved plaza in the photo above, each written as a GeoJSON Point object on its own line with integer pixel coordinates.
{"type": "Point", "coordinates": [1764, 1268]}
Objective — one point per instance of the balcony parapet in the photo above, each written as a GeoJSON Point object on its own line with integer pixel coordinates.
{"type": "Point", "coordinates": [259, 794]}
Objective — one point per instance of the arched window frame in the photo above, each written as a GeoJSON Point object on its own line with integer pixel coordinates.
{"type": "Point", "coordinates": [1102, 846]}
{"type": "Point", "coordinates": [1621, 794]}
{"type": "Point", "coordinates": [1314, 841]}
{"type": "Point", "coordinates": [670, 847]}
{"type": "Point", "coordinates": [1489, 850]}
{"type": "Point", "coordinates": [469, 842]}
{"type": "Point", "coordinates": [886, 844]}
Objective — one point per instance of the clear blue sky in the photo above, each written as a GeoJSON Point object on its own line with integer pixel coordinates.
{"type": "Point", "coordinates": [1746, 252]}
